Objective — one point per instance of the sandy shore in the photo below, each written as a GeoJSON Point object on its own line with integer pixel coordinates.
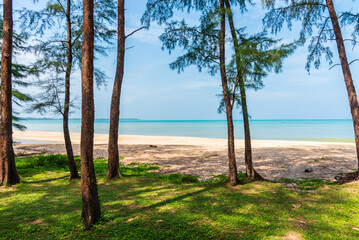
{"type": "Point", "coordinates": [205, 157]}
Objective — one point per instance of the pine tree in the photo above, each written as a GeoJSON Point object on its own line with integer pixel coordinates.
{"type": "Point", "coordinates": [91, 212]}
{"type": "Point", "coordinates": [20, 74]}
{"type": "Point", "coordinates": [113, 170]}
{"type": "Point", "coordinates": [253, 58]}
{"type": "Point", "coordinates": [113, 156]}
{"type": "Point", "coordinates": [8, 172]}
{"type": "Point", "coordinates": [319, 15]}
{"type": "Point", "coordinates": [205, 47]}
{"type": "Point", "coordinates": [60, 55]}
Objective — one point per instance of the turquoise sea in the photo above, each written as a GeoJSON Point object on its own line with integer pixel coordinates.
{"type": "Point", "coordinates": [311, 130]}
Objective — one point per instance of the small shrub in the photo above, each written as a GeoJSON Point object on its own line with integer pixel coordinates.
{"type": "Point", "coordinates": [179, 178]}
{"type": "Point", "coordinates": [46, 162]}
{"type": "Point", "coordinates": [52, 161]}
{"type": "Point", "coordinates": [219, 178]}
{"type": "Point", "coordinates": [189, 179]}
{"type": "Point", "coordinates": [242, 176]}
{"type": "Point", "coordinates": [222, 178]}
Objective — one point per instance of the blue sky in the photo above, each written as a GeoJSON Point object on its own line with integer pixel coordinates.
{"type": "Point", "coordinates": [152, 91]}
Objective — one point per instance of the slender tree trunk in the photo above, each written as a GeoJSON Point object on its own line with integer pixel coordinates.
{"type": "Point", "coordinates": [232, 177]}
{"type": "Point", "coordinates": [8, 172]}
{"type": "Point", "coordinates": [251, 173]}
{"type": "Point", "coordinates": [70, 155]}
{"type": "Point", "coordinates": [113, 156]}
{"type": "Point", "coordinates": [91, 212]}
{"type": "Point", "coordinates": [353, 100]}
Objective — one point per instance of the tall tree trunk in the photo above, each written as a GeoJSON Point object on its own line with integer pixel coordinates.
{"type": "Point", "coordinates": [113, 156]}
{"type": "Point", "coordinates": [251, 173]}
{"type": "Point", "coordinates": [353, 100]}
{"type": "Point", "coordinates": [91, 212]}
{"type": "Point", "coordinates": [8, 172]}
{"type": "Point", "coordinates": [70, 155]}
{"type": "Point", "coordinates": [232, 177]}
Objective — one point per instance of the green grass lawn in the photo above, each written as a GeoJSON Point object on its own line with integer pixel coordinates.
{"type": "Point", "coordinates": [143, 205]}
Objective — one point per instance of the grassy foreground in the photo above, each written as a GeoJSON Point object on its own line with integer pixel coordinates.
{"type": "Point", "coordinates": [142, 205]}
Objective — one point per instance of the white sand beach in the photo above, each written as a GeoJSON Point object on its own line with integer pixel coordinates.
{"type": "Point", "coordinates": [204, 157]}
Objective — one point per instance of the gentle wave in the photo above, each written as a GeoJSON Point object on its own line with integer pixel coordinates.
{"type": "Point", "coordinates": [309, 130]}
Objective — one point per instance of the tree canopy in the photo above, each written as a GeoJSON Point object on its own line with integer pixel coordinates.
{"type": "Point", "coordinates": [49, 45]}
{"type": "Point", "coordinates": [315, 24]}
{"type": "Point", "coordinates": [20, 73]}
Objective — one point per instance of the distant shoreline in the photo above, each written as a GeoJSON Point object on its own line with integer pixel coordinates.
{"type": "Point", "coordinates": [189, 120]}
{"type": "Point", "coordinates": [49, 119]}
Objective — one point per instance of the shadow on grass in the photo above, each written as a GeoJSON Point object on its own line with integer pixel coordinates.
{"type": "Point", "coordinates": [253, 211]}
{"type": "Point", "coordinates": [145, 207]}
{"type": "Point", "coordinates": [46, 180]}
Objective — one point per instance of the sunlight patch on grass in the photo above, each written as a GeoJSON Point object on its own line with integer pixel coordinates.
{"type": "Point", "coordinates": [144, 205]}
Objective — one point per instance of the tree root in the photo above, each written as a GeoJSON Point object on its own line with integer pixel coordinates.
{"type": "Point", "coordinates": [256, 177]}
{"type": "Point", "coordinates": [228, 180]}
{"type": "Point", "coordinates": [349, 177]}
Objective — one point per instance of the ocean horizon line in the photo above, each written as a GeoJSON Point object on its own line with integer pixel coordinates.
{"type": "Point", "coordinates": [169, 120]}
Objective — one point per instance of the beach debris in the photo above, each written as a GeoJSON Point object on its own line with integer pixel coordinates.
{"type": "Point", "coordinates": [308, 169]}
{"type": "Point", "coordinates": [338, 178]}
{"type": "Point", "coordinates": [346, 178]}
{"type": "Point", "coordinates": [153, 146]}
{"type": "Point", "coordinates": [296, 206]}
{"type": "Point", "coordinates": [292, 185]}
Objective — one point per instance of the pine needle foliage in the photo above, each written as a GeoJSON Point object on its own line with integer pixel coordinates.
{"type": "Point", "coordinates": [316, 27]}
{"type": "Point", "coordinates": [20, 74]}
{"type": "Point", "coordinates": [48, 27]}
{"type": "Point", "coordinates": [259, 55]}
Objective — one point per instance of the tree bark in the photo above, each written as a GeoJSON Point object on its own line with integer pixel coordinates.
{"type": "Point", "coordinates": [91, 212]}
{"type": "Point", "coordinates": [250, 171]}
{"type": "Point", "coordinates": [113, 155]}
{"type": "Point", "coordinates": [8, 172]}
{"type": "Point", "coordinates": [353, 100]}
{"type": "Point", "coordinates": [70, 155]}
{"type": "Point", "coordinates": [232, 177]}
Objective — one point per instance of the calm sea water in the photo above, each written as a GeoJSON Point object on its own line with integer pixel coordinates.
{"type": "Point", "coordinates": [311, 130]}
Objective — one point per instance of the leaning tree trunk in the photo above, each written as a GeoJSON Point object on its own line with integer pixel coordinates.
{"type": "Point", "coordinates": [250, 171]}
{"type": "Point", "coordinates": [8, 172]}
{"type": "Point", "coordinates": [91, 212]}
{"type": "Point", "coordinates": [113, 156]}
{"type": "Point", "coordinates": [70, 155]}
{"type": "Point", "coordinates": [232, 177]}
{"type": "Point", "coordinates": [353, 100]}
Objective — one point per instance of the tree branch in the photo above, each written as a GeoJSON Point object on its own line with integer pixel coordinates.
{"type": "Point", "coordinates": [138, 29]}
{"type": "Point", "coordinates": [205, 56]}
{"type": "Point", "coordinates": [320, 33]}
{"type": "Point", "coordinates": [234, 90]}
{"type": "Point", "coordinates": [78, 36]}
{"type": "Point", "coordinates": [129, 48]}
{"type": "Point", "coordinates": [338, 64]}
{"type": "Point", "coordinates": [195, 30]}
{"type": "Point", "coordinates": [62, 7]}
{"type": "Point", "coordinates": [353, 61]}
{"type": "Point", "coordinates": [300, 5]}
